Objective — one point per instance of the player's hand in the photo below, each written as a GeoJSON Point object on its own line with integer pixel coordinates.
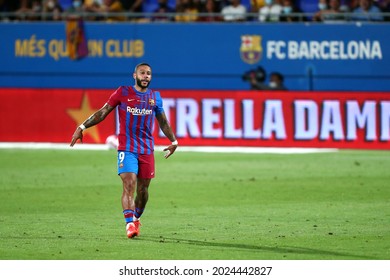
{"type": "Point", "coordinates": [170, 150]}
{"type": "Point", "coordinates": [78, 134]}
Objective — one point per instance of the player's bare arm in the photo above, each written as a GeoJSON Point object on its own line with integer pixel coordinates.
{"type": "Point", "coordinates": [94, 119]}
{"type": "Point", "coordinates": [167, 130]}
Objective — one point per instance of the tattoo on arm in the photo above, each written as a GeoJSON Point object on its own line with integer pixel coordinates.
{"type": "Point", "coordinates": [165, 127]}
{"type": "Point", "coordinates": [98, 116]}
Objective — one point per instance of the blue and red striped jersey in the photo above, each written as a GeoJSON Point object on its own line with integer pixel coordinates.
{"type": "Point", "coordinates": [136, 111]}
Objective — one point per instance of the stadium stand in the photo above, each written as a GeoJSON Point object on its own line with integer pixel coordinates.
{"type": "Point", "coordinates": [65, 4]}
{"type": "Point", "coordinates": [151, 5]}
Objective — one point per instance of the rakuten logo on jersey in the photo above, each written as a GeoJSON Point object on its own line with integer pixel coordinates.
{"type": "Point", "coordinates": [139, 112]}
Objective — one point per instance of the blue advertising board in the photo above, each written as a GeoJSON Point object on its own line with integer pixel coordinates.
{"type": "Point", "coordinates": [349, 56]}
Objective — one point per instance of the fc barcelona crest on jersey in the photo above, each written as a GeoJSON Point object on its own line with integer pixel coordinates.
{"type": "Point", "coordinates": [151, 102]}
{"type": "Point", "coordinates": [251, 50]}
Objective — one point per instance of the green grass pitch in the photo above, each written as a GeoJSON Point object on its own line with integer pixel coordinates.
{"type": "Point", "coordinates": [65, 204]}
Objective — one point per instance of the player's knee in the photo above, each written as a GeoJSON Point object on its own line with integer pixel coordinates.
{"type": "Point", "coordinates": [129, 182]}
{"type": "Point", "coordinates": [143, 184]}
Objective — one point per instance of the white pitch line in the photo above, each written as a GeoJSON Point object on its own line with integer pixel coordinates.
{"type": "Point", "coordinates": [52, 146]}
{"type": "Point", "coordinates": [254, 150]}
{"type": "Point", "coordinates": [204, 149]}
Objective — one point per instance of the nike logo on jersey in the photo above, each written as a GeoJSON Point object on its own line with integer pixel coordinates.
{"type": "Point", "coordinates": [139, 101]}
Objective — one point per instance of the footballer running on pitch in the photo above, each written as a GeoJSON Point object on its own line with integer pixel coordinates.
{"type": "Point", "coordinates": [138, 105]}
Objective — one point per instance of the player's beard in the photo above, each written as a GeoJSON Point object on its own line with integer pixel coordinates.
{"type": "Point", "coordinates": [139, 83]}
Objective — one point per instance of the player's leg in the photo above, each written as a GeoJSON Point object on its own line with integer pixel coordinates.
{"type": "Point", "coordinates": [142, 196]}
{"type": "Point", "coordinates": [128, 170]}
{"type": "Point", "coordinates": [129, 182]}
{"type": "Point", "coordinates": [145, 175]}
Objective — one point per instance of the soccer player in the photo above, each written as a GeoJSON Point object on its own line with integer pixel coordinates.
{"type": "Point", "coordinates": [138, 105]}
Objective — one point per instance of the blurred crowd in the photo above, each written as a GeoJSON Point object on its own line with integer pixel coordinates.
{"type": "Point", "coordinates": [197, 10]}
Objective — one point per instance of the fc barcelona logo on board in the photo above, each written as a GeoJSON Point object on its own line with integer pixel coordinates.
{"type": "Point", "coordinates": [151, 102]}
{"type": "Point", "coordinates": [251, 50]}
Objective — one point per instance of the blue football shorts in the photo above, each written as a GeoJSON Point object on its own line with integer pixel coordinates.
{"type": "Point", "coordinates": [140, 164]}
